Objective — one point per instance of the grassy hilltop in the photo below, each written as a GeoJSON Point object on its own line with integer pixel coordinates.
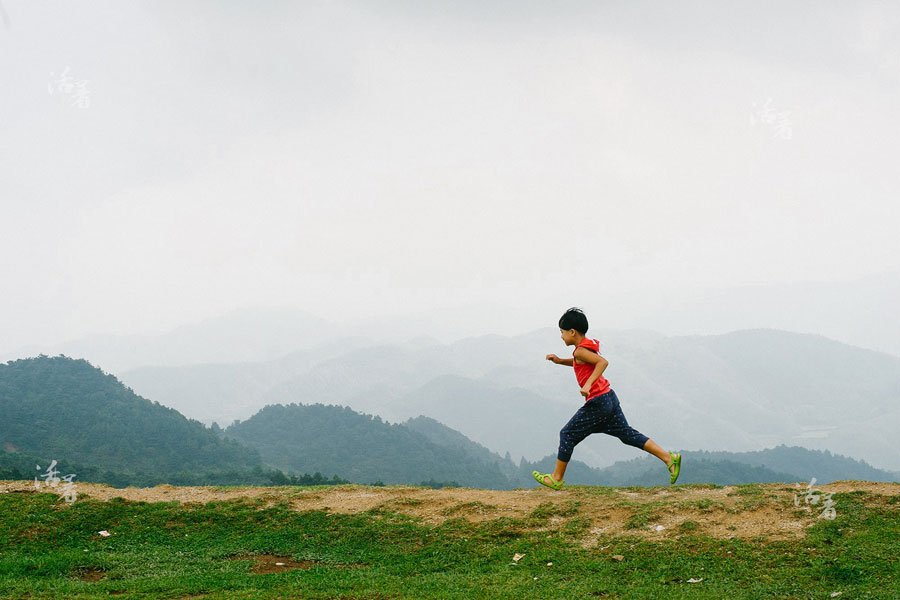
{"type": "Point", "coordinates": [673, 542]}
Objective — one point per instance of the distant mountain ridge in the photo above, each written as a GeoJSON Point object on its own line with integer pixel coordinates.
{"type": "Point", "coordinates": [260, 334]}
{"type": "Point", "coordinates": [740, 391]}
{"type": "Point", "coordinates": [808, 306]}
{"type": "Point", "coordinates": [243, 335]}
{"type": "Point", "coordinates": [779, 464]}
{"type": "Point", "coordinates": [111, 430]}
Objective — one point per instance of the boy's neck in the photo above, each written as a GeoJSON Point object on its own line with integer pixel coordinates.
{"type": "Point", "coordinates": [578, 338]}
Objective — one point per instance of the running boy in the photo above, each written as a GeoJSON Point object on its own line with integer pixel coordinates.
{"type": "Point", "coordinates": [601, 412]}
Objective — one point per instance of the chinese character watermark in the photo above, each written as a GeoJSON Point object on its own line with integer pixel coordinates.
{"type": "Point", "coordinates": [67, 86]}
{"type": "Point", "coordinates": [779, 122]}
{"type": "Point", "coordinates": [4, 16]}
{"type": "Point", "coordinates": [51, 480]}
{"type": "Point", "coordinates": [811, 498]}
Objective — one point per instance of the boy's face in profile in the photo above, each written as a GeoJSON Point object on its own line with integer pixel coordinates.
{"type": "Point", "coordinates": [568, 336]}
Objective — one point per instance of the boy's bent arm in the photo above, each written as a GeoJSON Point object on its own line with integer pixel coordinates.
{"type": "Point", "coordinates": [599, 362]}
{"type": "Point", "coordinates": [566, 361]}
{"type": "Point", "coordinates": [598, 371]}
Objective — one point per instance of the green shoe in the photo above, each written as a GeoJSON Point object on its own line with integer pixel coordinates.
{"type": "Point", "coordinates": [539, 477]}
{"type": "Point", "coordinates": [676, 460]}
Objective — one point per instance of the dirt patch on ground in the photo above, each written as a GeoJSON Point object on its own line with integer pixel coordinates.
{"type": "Point", "coordinates": [90, 573]}
{"type": "Point", "coordinates": [854, 485]}
{"type": "Point", "coordinates": [592, 513]}
{"type": "Point", "coordinates": [271, 563]}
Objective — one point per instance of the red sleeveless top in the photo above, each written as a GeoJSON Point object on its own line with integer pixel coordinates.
{"type": "Point", "coordinates": [583, 371]}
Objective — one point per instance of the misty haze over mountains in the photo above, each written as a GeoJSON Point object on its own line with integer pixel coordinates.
{"type": "Point", "coordinates": [745, 390]}
{"type": "Point", "coordinates": [116, 437]}
{"type": "Point", "coordinates": [741, 391]}
{"type": "Point", "coordinates": [861, 312]}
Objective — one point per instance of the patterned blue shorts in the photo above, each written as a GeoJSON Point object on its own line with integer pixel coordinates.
{"type": "Point", "coordinates": [600, 414]}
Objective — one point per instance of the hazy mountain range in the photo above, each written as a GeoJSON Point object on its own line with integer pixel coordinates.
{"type": "Point", "coordinates": [67, 410]}
{"type": "Point", "coordinates": [741, 391]}
{"type": "Point", "coordinates": [860, 312]}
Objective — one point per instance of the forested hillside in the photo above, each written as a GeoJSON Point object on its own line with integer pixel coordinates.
{"type": "Point", "coordinates": [66, 409]}
{"type": "Point", "coordinates": [744, 390]}
{"type": "Point", "coordinates": [362, 448]}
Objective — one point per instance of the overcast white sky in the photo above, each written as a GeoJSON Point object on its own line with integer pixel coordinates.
{"type": "Point", "coordinates": [363, 158]}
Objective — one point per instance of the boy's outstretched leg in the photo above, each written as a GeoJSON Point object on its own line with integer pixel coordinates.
{"type": "Point", "coordinates": [557, 475]}
{"type": "Point", "coordinates": [552, 480]}
{"type": "Point", "coordinates": [654, 449]}
{"type": "Point", "coordinates": [584, 422]}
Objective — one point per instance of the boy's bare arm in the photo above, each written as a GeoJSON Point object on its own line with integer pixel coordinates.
{"type": "Point", "coordinates": [598, 361]}
{"type": "Point", "coordinates": [560, 361]}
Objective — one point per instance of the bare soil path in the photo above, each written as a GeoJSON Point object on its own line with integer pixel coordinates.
{"type": "Point", "coordinates": [766, 510]}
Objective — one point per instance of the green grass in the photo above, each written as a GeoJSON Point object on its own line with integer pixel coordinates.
{"type": "Point", "coordinates": [752, 496]}
{"type": "Point", "coordinates": [465, 508]}
{"type": "Point", "coordinates": [546, 510]}
{"type": "Point", "coordinates": [644, 513]}
{"type": "Point", "coordinates": [688, 526]}
{"type": "Point", "coordinates": [173, 550]}
{"type": "Point", "coordinates": [704, 505]}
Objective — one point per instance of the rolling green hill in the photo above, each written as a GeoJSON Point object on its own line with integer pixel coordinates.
{"type": "Point", "coordinates": [739, 391]}
{"type": "Point", "coordinates": [361, 448]}
{"type": "Point", "coordinates": [66, 409]}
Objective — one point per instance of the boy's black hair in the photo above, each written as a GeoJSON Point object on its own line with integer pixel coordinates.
{"type": "Point", "coordinates": [574, 319]}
